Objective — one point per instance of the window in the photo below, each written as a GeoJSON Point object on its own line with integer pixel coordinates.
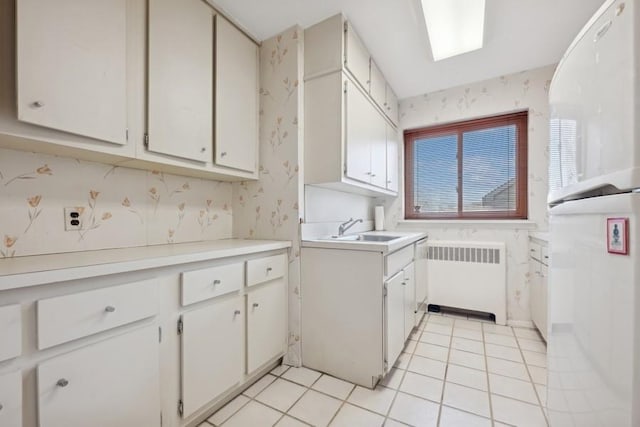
{"type": "Point", "coordinates": [473, 169]}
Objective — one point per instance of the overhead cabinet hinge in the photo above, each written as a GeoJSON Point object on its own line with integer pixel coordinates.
{"type": "Point", "coordinates": [159, 334]}
{"type": "Point", "coordinates": [126, 134]}
{"type": "Point", "coordinates": [180, 326]}
{"type": "Point", "coordinates": [384, 290]}
{"type": "Point", "coordinates": [180, 407]}
{"type": "Point", "coordinates": [146, 140]}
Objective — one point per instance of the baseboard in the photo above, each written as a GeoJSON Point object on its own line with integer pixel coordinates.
{"type": "Point", "coordinates": [521, 324]}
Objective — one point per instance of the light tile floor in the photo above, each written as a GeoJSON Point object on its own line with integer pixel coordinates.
{"type": "Point", "coordinates": [455, 371]}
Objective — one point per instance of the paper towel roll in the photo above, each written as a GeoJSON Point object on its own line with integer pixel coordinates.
{"type": "Point", "coordinates": [379, 218]}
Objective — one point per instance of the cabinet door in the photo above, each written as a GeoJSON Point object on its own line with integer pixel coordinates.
{"type": "Point", "coordinates": [211, 352]}
{"type": "Point", "coordinates": [358, 134]}
{"type": "Point", "coordinates": [409, 283]}
{"type": "Point", "coordinates": [180, 93]}
{"type": "Point", "coordinates": [391, 105]}
{"type": "Point", "coordinates": [393, 161]}
{"type": "Point", "coordinates": [394, 318]}
{"type": "Point", "coordinates": [544, 279]}
{"type": "Point", "coordinates": [377, 86]}
{"type": "Point", "coordinates": [113, 383]}
{"type": "Point", "coordinates": [356, 57]}
{"type": "Point", "coordinates": [11, 399]}
{"type": "Point", "coordinates": [378, 145]}
{"type": "Point", "coordinates": [266, 323]}
{"type": "Point", "coordinates": [236, 92]}
{"type": "Point", "coordinates": [535, 292]}
{"type": "Point", "coordinates": [10, 331]}
{"type": "Point", "coordinates": [72, 68]}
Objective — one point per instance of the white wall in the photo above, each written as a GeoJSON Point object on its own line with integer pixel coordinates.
{"type": "Point", "coordinates": [524, 90]}
{"type": "Point", "coordinates": [121, 207]}
{"type": "Point", "coordinates": [270, 208]}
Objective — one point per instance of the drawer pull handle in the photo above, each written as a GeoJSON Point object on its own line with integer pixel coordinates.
{"type": "Point", "coordinates": [109, 309]}
{"type": "Point", "coordinates": [404, 283]}
{"type": "Point", "coordinates": [256, 305]}
{"type": "Point", "coordinates": [237, 312]}
{"type": "Point", "coordinates": [224, 153]}
{"type": "Point", "coordinates": [37, 104]}
{"type": "Point", "coordinates": [269, 269]}
{"type": "Point", "coordinates": [203, 149]}
{"type": "Point", "coordinates": [216, 282]}
{"type": "Point", "coordinates": [62, 382]}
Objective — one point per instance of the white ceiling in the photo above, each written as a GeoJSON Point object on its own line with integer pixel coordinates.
{"type": "Point", "coordinates": [519, 35]}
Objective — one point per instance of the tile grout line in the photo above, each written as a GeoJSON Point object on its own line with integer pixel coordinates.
{"type": "Point", "coordinates": [486, 365]}
{"type": "Point", "coordinates": [405, 370]}
{"type": "Point", "coordinates": [533, 384]}
{"type": "Point", "coordinates": [446, 372]}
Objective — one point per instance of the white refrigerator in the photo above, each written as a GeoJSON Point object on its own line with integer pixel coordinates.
{"type": "Point", "coordinates": [594, 179]}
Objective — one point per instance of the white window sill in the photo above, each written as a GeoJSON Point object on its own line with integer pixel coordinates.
{"type": "Point", "coordinates": [519, 224]}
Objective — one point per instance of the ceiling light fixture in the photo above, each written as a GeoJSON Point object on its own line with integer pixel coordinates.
{"type": "Point", "coordinates": [454, 26]}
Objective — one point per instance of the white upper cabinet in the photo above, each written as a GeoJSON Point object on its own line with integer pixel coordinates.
{"type": "Point", "coordinates": [356, 56]}
{"type": "Point", "coordinates": [236, 97]}
{"type": "Point", "coordinates": [378, 86]}
{"type": "Point", "coordinates": [180, 79]}
{"type": "Point", "coordinates": [392, 159]}
{"type": "Point", "coordinates": [71, 62]}
{"type": "Point", "coordinates": [346, 120]}
{"type": "Point", "coordinates": [391, 105]}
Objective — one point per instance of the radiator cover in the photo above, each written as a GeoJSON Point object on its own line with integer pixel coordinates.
{"type": "Point", "coordinates": [468, 275]}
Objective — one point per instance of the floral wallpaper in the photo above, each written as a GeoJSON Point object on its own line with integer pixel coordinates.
{"type": "Point", "coordinates": [118, 206]}
{"type": "Point", "coordinates": [524, 90]}
{"type": "Point", "coordinates": [270, 208]}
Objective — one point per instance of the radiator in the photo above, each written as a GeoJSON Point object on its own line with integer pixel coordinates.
{"type": "Point", "coordinates": [468, 275]}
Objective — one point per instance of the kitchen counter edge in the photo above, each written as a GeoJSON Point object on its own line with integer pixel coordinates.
{"type": "Point", "coordinates": [35, 270]}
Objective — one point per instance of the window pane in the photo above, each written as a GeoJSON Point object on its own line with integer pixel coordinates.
{"type": "Point", "coordinates": [489, 169]}
{"type": "Point", "coordinates": [435, 174]}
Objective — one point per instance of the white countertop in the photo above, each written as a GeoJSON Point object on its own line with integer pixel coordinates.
{"type": "Point", "coordinates": [406, 238]}
{"type": "Point", "coordinates": [38, 269]}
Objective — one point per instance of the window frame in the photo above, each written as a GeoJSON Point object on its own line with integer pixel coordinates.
{"type": "Point", "coordinates": [519, 118]}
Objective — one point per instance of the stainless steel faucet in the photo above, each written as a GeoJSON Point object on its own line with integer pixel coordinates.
{"type": "Point", "coordinates": [347, 225]}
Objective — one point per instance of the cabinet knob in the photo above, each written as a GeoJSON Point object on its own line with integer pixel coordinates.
{"type": "Point", "coordinates": [269, 269]}
{"type": "Point", "coordinates": [1, 406]}
{"type": "Point", "coordinates": [389, 181]}
{"type": "Point", "coordinates": [224, 153]}
{"type": "Point", "coordinates": [62, 382]}
{"type": "Point", "coordinates": [404, 283]}
{"type": "Point", "coordinates": [256, 305]}
{"type": "Point", "coordinates": [109, 309]}
{"type": "Point", "coordinates": [216, 282]}
{"type": "Point", "coordinates": [373, 175]}
{"type": "Point", "coordinates": [237, 312]}
{"type": "Point", "coordinates": [37, 104]}
{"type": "Point", "coordinates": [203, 149]}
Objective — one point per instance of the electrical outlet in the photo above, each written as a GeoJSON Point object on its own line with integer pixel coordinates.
{"type": "Point", "coordinates": [72, 219]}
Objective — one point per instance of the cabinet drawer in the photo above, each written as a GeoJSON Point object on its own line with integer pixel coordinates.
{"type": "Point", "coordinates": [11, 399]}
{"type": "Point", "coordinates": [534, 250]}
{"type": "Point", "coordinates": [397, 260]}
{"type": "Point", "coordinates": [264, 269]}
{"type": "Point", "coordinates": [544, 255]}
{"type": "Point", "coordinates": [74, 316]}
{"type": "Point", "coordinates": [199, 285]}
{"type": "Point", "coordinates": [112, 383]}
{"type": "Point", "coordinates": [10, 332]}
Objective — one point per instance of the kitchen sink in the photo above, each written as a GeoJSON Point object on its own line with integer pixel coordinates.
{"type": "Point", "coordinates": [365, 238]}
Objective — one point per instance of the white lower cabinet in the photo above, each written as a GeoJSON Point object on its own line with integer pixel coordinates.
{"type": "Point", "coordinates": [266, 323]}
{"type": "Point", "coordinates": [358, 308]}
{"type": "Point", "coordinates": [409, 283]}
{"type": "Point", "coordinates": [212, 340]}
{"type": "Point", "coordinates": [538, 286]}
{"type": "Point", "coordinates": [11, 399]}
{"type": "Point", "coordinates": [112, 383]}
{"type": "Point", "coordinates": [395, 307]}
